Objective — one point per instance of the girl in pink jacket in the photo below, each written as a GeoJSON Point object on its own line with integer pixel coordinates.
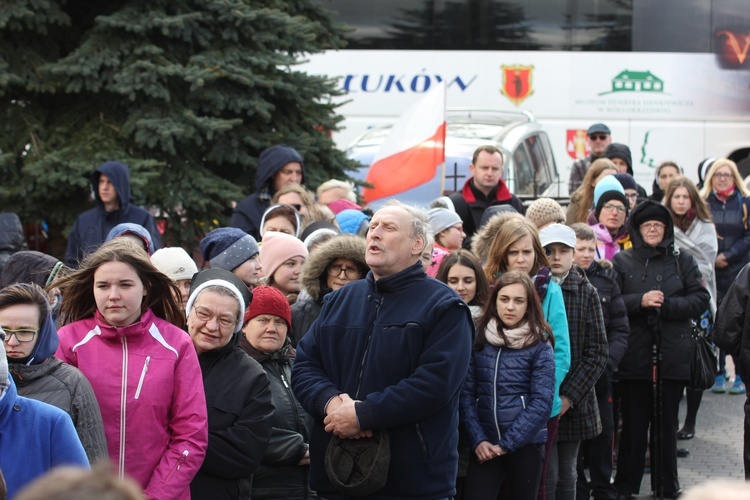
{"type": "Point", "coordinates": [120, 315]}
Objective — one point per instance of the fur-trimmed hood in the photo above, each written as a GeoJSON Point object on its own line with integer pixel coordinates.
{"type": "Point", "coordinates": [482, 240]}
{"type": "Point", "coordinates": [343, 246]}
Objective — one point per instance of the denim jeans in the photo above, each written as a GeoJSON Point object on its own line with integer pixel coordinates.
{"type": "Point", "coordinates": [562, 471]}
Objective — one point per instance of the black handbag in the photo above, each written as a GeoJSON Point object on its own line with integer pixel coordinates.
{"type": "Point", "coordinates": [704, 361]}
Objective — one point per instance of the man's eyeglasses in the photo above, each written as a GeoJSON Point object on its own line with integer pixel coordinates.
{"type": "Point", "coordinates": [633, 196]}
{"type": "Point", "coordinates": [351, 273]}
{"type": "Point", "coordinates": [648, 226]}
{"type": "Point", "coordinates": [598, 137]}
{"type": "Point", "coordinates": [22, 335]}
{"type": "Point", "coordinates": [224, 320]}
{"type": "Point", "coordinates": [609, 207]}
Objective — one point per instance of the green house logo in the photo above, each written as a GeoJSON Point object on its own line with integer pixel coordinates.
{"type": "Point", "coordinates": [636, 81]}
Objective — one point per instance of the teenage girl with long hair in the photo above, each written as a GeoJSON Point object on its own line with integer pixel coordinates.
{"type": "Point", "coordinates": [506, 398]}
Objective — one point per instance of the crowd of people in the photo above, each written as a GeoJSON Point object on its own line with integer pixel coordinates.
{"type": "Point", "coordinates": [478, 349]}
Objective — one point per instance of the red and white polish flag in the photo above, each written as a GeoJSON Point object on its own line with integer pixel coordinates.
{"type": "Point", "coordinates": [413, 150]}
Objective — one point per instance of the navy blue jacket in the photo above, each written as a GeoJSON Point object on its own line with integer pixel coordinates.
{"type": "Point", "coordinates": [401, 345]}
{"type": "Point", "coordinates": [92, 226]}
{"type": "Point", "coordinates": [506, 397]}
{"type": "Point", "coordinates": [733, 231]}
{"type": "Point", "coordinates": [249, 211]}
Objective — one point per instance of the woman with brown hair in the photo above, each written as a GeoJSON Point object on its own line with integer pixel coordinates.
{"type": "Point", "coordinates": [123, 331]}
{"type": "Point", "coordinates": [516, 247]}
{"type": "Point", "coordinates": [582, 200]}
{"type": "Point", "coordinates": [462, 271]}
{"type": "Point", "coordinates": [507, 395]}
{"type": "Point", "coordinates": [695, 233]}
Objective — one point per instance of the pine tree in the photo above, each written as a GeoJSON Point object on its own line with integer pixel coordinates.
{"type": "Point", "coordinates": [186, 92]}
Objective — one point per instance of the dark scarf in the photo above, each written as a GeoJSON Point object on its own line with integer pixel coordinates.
{"type": "Point", "coordinates": [541, 282]}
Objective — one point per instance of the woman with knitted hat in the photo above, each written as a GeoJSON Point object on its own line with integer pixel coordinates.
{"type": "Point", "coordinates": [448, 229]}
{"type": "Point", "coordinates": [545, 211]}
{"type": "Point", "coordinates": [332, 265]}
{"type": "Point", "coordinates": [662, 291]}
{"type": "Point", "coordinates": [582, 199]}
{"type": "Point", "coordinates": [282, 256]}
{"type": "Point", "coordinates": [233, 250]}
{"type": "Point", "coordinates": [238, 396]}
{"type": "Point", "coordinates": [178, 265]}
{"type": "Point", "coordinates": [284, 472]}
{"type": "Point", "coordinates": [608, 218]}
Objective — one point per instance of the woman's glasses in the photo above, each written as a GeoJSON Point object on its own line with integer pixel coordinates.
{"type": "Point", "coordinates": [205, 315]}
{"type": "Point", "coordinates": [351, 273]}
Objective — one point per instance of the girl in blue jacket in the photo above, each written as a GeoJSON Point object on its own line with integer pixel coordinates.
{"type": "Point", "coordinates": [507, 396]}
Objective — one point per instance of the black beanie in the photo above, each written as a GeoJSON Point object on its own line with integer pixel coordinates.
{"type": "Point", "coordinates": [621, 151]}
{"type": "Point", "coordinates": [650, 210]}
{"type": "Point", "coordinates": [626, 180]}
{"type": "Point", "coordinates": [608, 196]}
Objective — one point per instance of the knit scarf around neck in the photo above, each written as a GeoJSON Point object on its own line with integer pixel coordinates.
{"type": "Point", "coordinates": [517, 337]}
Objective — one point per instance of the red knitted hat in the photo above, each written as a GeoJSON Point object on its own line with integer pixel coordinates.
{"type": "Point", "coordinates": [269, 300]}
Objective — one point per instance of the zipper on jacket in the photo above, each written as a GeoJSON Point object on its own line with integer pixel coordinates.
{"type": "Point", "coordinates": [523, 402]}
{"type": "Point", "coordinates": [123, 408]}
{"type": "Point", "coordinates": [422, 440]}
{"type": "Point", "coordinates": [143, 377]}
{"type": "Point", "coordinates": [367, 348]}
{"type": "Point", "coordinates": [289, 395]}
{"type": "Point", "coordinates": [494, 394]}
{"type": "Point", "coordinates": [177, 467]}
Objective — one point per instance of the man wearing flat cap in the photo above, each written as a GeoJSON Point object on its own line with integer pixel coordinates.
{"type": "Point", "coordinates": [598, 137]}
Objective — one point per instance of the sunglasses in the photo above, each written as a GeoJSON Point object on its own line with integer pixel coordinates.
{"type": "Point", "coordinates": [598, 137]}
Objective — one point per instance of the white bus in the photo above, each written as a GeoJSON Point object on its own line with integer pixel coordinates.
{"type": "Point", "coordinates": [671, 78]}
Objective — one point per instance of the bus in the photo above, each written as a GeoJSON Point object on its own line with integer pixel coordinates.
{"type": "Point", "coordinates": [670, 78]}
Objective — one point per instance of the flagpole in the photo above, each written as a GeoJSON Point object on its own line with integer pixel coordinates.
{"type": "Point", "coordinates": [445, 130]}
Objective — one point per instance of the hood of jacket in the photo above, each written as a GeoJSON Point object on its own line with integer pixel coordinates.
{"type": "Point", "coordinates": [29, 266]}
{"type": "Point", "coordinates": [638, 216]}
{"type": "Point", "coordinates": [272, 160]}
{"type": "Point", "coordinates": [482, 239]}
{"type": "Point", "coordinates": [119, 176]}
{"type": "Point", "coordinates": [315, 274]}
{"type": "Point", "coordinates": [11, 233]}
{"type": "Point", "coordinates": [46, 343]}
{"type": "Point", "coordinates": [135, 229]}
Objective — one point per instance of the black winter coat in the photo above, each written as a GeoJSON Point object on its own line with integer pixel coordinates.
{"type": "Point", "coordinates": [615, 315]}
{"type": "Point", "coordinates": [279, 475]}
{"type": "Point", "coordinates": [240, 415]}
{"type": "Point", "coordinates": [644, 268]}
{"type": "Point", "coordinates": [732, 328]}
